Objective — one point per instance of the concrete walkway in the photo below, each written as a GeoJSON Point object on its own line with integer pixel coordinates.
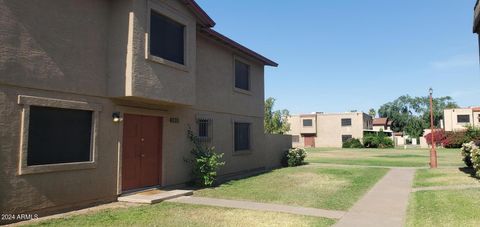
{"type": "Point", "coordinates": [259, 206]}
{"type": "Point", "coordinates": [451, 187]}
{"type": "Point", "coordinates": [385, 204]}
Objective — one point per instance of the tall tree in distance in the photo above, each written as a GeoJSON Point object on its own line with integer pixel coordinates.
{"type": "Point", "coordinates": [372, 112]}
{"type": "Point", "coordinates": [412, 113]}
{"type": "Point", "coordinates": [275, 122]}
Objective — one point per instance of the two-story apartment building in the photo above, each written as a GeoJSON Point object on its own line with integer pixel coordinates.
{"type": "Point", "coordinates": [96, 97]}
{"type": "Point", "coordinates": [458, 118]}
{"type": "Point", "coordinates": [327, 129]}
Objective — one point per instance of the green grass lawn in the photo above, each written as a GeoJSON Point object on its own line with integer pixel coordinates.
{"type": "Point", "coordinates": [335, 188]}
{"type": "Point", "coordinates": [444, 177]}
{"type": "Point", "coordinates": [383, 157]}
{"type": "Point", "coordinates": [175, 214]}
{"type": "Point", "coordinates": [444, 208]}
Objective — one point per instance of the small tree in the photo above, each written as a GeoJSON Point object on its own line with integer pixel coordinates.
{"type": "Point", "coordinates": [275, 122]}
{"type": "Point", "coordinates": [205, 162]}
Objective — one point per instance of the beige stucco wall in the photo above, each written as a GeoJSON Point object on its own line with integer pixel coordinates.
{"type": "Point", "coordinates": [450, 118]}
{"type": "Point", "coordinates": [276, 146]}
{"type": "Point", "coordinates": [58, 189]}
{"type": "Point", "coordinates": [94, 51]}
{"type": "Point", "coordinates": [328, 128]}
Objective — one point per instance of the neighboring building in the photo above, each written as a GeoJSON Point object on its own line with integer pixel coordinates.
{"type": "Point", "coordinates": [327, 129]}
{"type": "Point", "coordinates": [381, 124]}
{"type": "Point", "coordinates": [457, 119]}
{"type": "Point", "coordinates": [70, 71]}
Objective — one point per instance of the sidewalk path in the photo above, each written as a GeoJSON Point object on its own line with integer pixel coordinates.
{"type": "Point", "coordinates": [385, 204]}
{"type": "Point", "coordinates": [260, 206]}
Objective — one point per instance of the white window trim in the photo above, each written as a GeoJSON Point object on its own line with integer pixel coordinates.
{"type": "Point", "coordinates": [242, 152]}
{"type": "Point", "coordinates": [169, 13]}
{"type": "Point", "coordinates": [239, 90]}
{"type": "Point", "coordinates": [28, 101]}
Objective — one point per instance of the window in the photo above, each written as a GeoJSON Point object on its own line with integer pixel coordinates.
{"type": "Point", "coordinates": [58, 135]}
{"type": "Point", "coordinates": [307, 122]}
{"type": "Point", "coordinates": [463, 118]}
{"type": "Point", "coordinates": [166, 38]}
{"type": "Point", "coordinates": [242, 75]}
{"type": "Point", "coordinates": [345, 138]}
{"type": "Point", "coordinates": [346, 121]}
{"type": "Point", "coordinates": [242, 136]}
{"type": "Point", "coordinates": [204, 129]}
{"type": "Point", "coordinates": [295, 139]}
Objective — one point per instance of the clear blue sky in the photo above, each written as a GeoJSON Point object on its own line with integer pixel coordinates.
{"type": "Point", "coordinates": [338, 56]}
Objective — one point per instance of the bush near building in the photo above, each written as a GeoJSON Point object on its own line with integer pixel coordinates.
{"type": "Point", "coordinates": [352, 143]}
{"type": "Point", "coordinates": [380, 140]}
{"type": "Point", "coordinates": [294, 157]}
{"type": "Point", "coordinates": [471, 156]}
{"type": "Point", "coordinates": [454, 139]}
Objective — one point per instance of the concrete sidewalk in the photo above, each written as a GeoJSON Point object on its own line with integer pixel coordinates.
{"type": "Point", "coordinates": [259, 206]}
{"type": "Point", "coordinates": [385, 204]}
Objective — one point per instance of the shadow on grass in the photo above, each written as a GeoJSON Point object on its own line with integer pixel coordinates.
{"type": "Point", "coordinates": [470, 171]}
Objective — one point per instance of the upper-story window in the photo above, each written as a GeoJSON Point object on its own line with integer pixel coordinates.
{"type": "Point", "coordinates": [167, 38]}
{"type": "Point", "coordinates": [307, 122]}
{"type": "Point", "coordinates": [242, 75]}
{"type": "Point", "coordinates": [346, 121]}
{"type": "Point", "coordinates": [464, 118]}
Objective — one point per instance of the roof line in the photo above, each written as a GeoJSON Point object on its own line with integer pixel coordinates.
{"type": "Point", "coordinates": [216, 35]}
{"type": "Point", "coordinates": [200, 13]}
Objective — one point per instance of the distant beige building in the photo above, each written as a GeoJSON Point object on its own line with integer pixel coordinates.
{"type": "Point", "coordinates": [327, 129]}
{"type": "Point", "coordinates": [381, 124]}
{"type": "Point", "coordinates": [457, 119]}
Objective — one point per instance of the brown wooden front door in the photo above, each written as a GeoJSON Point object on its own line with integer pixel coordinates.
{"type": "Point", "coordinates": [142, 151]}
{"type": "Point", "coordinates": [309, 141]}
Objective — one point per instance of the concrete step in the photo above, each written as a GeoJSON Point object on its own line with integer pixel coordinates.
{"type": "Point", "coordinates": [153, 196]}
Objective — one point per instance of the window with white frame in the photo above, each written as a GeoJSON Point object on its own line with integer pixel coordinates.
{"type": "Point", "coordinates": [463, 118]}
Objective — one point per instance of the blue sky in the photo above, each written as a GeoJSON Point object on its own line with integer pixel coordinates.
{"type": "Point", "coordinates": [338, 56]}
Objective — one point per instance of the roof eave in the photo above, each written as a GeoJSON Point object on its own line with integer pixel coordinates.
{"type": "Point", "coordinates": [205, 20]}
{"type": "Point", "coordinates": [212, 33]}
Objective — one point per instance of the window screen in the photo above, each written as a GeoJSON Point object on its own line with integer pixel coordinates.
{"type": "Point", "coordinates": [242, 77]}
{"type": "Point", "coordinates": [345, 138]}
{"type": "Point", "coordinates": [346, 121]}
{"type": "Point", "coordinates": [307, 122]}
{"type": "Point", "coordinates": [58, 135]}
{"type": "Point", "coordinates": [463, 118]}
{"type": "Point", "coordinates": [166, 38]}
{"type": "Point", "coordinates": [242, 136]}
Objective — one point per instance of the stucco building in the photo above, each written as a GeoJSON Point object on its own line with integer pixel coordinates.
{"type": "Point", "coordinates": [458, 118]}
{"type": "Point", "coordinates": [96, 98]}
{"type": "Point", "coordinates": [327, 129]}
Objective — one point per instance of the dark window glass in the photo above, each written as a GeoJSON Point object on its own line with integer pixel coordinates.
{"type": "Point", "coordinates": [346, 121]}
{"type": "Point", "coordinates": [346, 137]}
{"type": "Point", "coordinates": [242, 77]}
{"type": "Point", "coordinates": [166, 38]}
{"type": "Point", "coordinates": [58, 135]}
{"type": "Point", "coordinates": [242, 136]}
{"type": "Point", "coordinates": [203, 128]}
{"type": "Point", "coordinates": [307, 122]}
{"type": "Point", "coordinates": [463, 118]}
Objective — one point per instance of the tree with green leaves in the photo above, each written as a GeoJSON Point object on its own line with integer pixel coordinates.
{"type": "Point", "coordinates": [275, 122]}
{"type": "Point", "coordinates": [410, 114]}
{"type": "Point", "coordinates": [372, 112]}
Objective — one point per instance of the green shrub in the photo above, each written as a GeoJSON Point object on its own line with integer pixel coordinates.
{"type": "Point", "coordinates": [466, 153]}
{"type": "Point", "coordinates": [457, 138]}
{"type": "Point", "coordinates": [380, 140]}
{"type": "Point", "coordinates": [352, 143]}
{"type": "Point", "coordinates": [294, 157]}
{"type": "Point", "coordinates": [205, 162]}
{"type": "Point", "coordinates": [475, 159]}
